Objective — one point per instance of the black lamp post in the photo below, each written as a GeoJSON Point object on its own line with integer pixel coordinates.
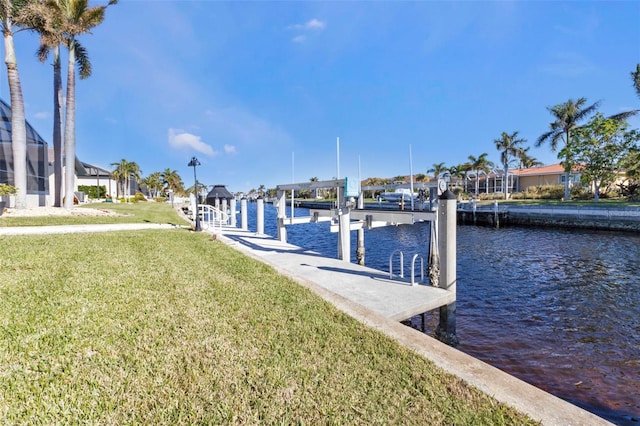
{"type": "Point", "coordinates": [194, 163]}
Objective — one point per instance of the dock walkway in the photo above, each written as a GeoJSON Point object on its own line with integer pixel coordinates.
{"type": "Point", "coordinates": [396, 299]}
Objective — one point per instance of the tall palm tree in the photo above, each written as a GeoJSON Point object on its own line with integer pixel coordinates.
{"type": "Point", "coordinates": [76, 18]}
{"type": "Point", "coordinates": [567, 117]}
{"type": "Point", "coordinates": [47, 21]}
{"type": "Point", "coordinates": [480, 164]}
{"type": "Point", "coordinates": [510, 147]}
{"type": "Point", "coordinates": [10, 15]}
{"type": "Point", "coordinates": [437, 169]}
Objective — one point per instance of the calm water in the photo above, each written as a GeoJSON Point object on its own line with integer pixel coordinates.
{"type": "Point", "coordinates": [559, 309]}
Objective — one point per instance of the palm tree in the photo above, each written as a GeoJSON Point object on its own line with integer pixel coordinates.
{"type": "Point", "coordinates": [124, 171]}
{"type": "Point", "coordinates": [477, 165]}
{"type": "Point", "coordinates": [635, 78]}
{"type": "Point", "coordinates": [172, 179]}
{"type": "Point", "coordinates": [526, 161]}
{"type": "Point", "coordinates": [75, 18]}
{"type": "Point", "coordinates": [48, 22]}
{"type": "Point", "coordinates": [10, 11]}
{"type": "Point", "coordinates": [437, 169]}
{"type": "Point", "coordinates": [567, 116]}
{"type": "Point", "coordinates": [509, 146]}
{"type": "Point", "coordinates": [153, 183]}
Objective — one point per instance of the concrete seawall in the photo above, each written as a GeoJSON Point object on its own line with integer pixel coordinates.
{"type": "Point", "coordinates": [585, 217]}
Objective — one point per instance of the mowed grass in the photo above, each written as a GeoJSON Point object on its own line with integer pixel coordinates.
{"type": "Point", "coordinates": [141, 212]}
{"type": "Point", "coordinates": [174, 328]}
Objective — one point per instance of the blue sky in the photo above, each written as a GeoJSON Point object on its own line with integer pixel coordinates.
{"type": "Point", "coordinates": [249, 86]}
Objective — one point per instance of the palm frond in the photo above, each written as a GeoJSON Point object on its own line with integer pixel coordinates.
{"type": "Point", "coordinates": [82, 60]}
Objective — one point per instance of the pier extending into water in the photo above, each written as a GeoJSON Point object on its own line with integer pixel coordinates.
{"type": "Point", "coordinates": [389, 294]}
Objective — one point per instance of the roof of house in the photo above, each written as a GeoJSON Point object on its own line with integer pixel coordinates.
{"type": "Point", "coordinates": [553, 169]}
{"type": "Point", "coordinates": [90, 170]}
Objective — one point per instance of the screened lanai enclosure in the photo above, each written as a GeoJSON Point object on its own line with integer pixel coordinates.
{"type": "Point", "coordinates": [37, 157]}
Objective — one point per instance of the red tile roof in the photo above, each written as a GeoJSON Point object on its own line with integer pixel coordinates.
{"type": "Point", "coordinates": [553, 169]}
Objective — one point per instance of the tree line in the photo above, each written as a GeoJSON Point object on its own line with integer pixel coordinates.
{"type": "Point", "coordinates": [601, 149]}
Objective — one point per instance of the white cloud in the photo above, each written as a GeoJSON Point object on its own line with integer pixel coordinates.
{"type": "Point", "coordinates": [42, 115]}
{"type": "Point", "coordinates": [312, 25]}
{"type": "Point", "coordinates": [299, 39]}
{"type": "Point", "coordinates": [229, 149]}
{"type": "Point", "coordinates": [182, 140]}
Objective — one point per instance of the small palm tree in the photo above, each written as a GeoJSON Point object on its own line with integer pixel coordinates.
{"type": "Point", "coordinates": [567, 117]}
{"type": "Point", "coordinates": [509, 147]}
{"type": "Point", "coordinates": [526, 161]}
{"type": "Point", "coordinates": [125, 171]}
{"type": "Point", "coordinates": [477, 165]}
{"type": "Point", "coordinates": [153, 183]}
{"type": "Point", "coordinates": [173, 181]}
{"type": "Point", "coordinates": [437, 169]}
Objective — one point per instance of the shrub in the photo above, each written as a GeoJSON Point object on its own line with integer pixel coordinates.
{"type": "Point", "coordinates": [92, 191]}
{"type": "Point", "coordinates": [139, 197]}
{"type": "Point", "coordinates": [6, 189]}
{"type": "Point", "coordinates": [493, 196]}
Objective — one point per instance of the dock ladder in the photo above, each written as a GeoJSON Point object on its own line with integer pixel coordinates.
{"type": "Point", "coordinates": [413, 266]}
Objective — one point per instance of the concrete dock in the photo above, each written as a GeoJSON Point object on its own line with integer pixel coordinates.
{"type": "Point", "coordinates": [396, 299]}
{"type": "Point", "coordinates": [370, 297]}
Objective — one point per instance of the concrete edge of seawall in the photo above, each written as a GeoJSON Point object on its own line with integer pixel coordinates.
{"type": "Point", "coordinates": [536, 403]}
{"type": "Point", "coordinates": [579, 217]}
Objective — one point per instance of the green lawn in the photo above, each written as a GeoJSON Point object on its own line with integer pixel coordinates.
{"type": "Point", "coordinates": [172, 327]}
{"type": "Point", "coordinates": [142, 212]}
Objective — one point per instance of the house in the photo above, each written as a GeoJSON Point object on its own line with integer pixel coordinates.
{"type": "Point", "coordinates": [37, 160]}
{"type": "Point", "coordinates": [553, 174]}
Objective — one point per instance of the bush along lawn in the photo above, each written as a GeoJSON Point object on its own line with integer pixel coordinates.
{"type": "Point", "coordinates": [171, 327]}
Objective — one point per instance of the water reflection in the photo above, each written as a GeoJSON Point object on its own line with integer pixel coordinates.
{"type": "Point", "coordinates": [557, 308]}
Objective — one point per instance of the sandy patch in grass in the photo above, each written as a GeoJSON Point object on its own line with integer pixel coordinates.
{"type": "Point", "coordinates": [59, 211]}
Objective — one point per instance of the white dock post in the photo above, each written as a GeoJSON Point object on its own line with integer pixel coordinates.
{"type": "Point", "coordinates": [282, 211]}
{"type": "Point", "coordinates": [446, 331]}
{"type": "Point", "coordinates": [360, 248]}
{"type": "Point", "coordinates": [224, 209]}
{"type": "Point", "coordinates": [344, 234]}
{"type": "Point", "coordinates": [260, 215]}
{"type": "Point", "coordinates": [233, 212]}
{"type": "Point", "coordinates": [243, 214]}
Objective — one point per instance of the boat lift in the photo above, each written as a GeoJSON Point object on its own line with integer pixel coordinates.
{"type": "Point", "coordinates": [347, 215]}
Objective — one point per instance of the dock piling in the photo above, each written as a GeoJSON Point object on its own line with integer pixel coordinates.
{"type": "Point", "coordinates": [446, 331]}
{"type": "Point", "coordinates": [243, 214]}
{"type": "Point", "coordinates": [260, 215]}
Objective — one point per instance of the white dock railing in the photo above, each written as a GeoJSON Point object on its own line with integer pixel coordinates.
{"type": "Point", "coordinates": [211, 218]}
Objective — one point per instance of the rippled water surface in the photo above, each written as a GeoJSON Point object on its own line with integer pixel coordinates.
{"type": "Point", "coordinates": [559, 309]}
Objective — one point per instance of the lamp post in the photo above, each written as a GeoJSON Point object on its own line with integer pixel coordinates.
{"type": "Point", "coordinates": [194, 163]}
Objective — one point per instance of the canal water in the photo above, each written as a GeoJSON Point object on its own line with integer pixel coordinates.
{"type": "Point", "coordinates": [559, 309]}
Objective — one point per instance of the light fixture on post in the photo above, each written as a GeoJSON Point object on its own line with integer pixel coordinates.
{"type": "Point", "coordinates": [194, 163]}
